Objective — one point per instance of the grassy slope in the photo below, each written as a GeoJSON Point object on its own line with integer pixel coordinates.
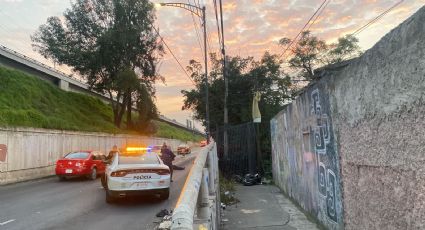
{"type": "Point", "coordinates": [30, 102]}
{"type": "Point", "coordinates": [168, 131]}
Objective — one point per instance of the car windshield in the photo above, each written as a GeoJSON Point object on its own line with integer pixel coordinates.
{"type": "Point", "coordinates": [77, 155]}
{"type": "Point", "coordinates": [138, 158]}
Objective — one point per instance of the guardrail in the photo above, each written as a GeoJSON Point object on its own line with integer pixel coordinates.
{"type": "Point", "coordinates": [198, 206]}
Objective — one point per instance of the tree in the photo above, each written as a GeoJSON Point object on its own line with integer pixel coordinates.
{"type": "Point", "coordinates": [346, 48]}
{"type": "Point", "coordinates": [310, 52]}
{"type": "Point", "coordinates": [146, 108]}
{"type": "Point", "coordinates": [246, 76]}
{"type": "Point", "coordinates": [112, 43]}
{"type": "Point", "coordinates": [307, 54]}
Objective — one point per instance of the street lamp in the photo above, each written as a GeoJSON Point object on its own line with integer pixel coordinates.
{"type": "Point", "coordinates": [200, 12]}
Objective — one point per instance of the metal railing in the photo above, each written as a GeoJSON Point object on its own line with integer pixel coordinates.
{"type": "Point", "coordinates": [198, 206]}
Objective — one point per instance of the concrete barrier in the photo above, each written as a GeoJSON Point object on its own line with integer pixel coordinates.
{"type": "Point", "coordinates": [198, 206]}
{"type": "Point", "coordinates": [28, 153]}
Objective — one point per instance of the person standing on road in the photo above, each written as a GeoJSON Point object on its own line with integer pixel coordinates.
{"type": "Point", "coordinates": [112, 153]}
{"type": "Point", "coordinates": [108, 160]}
{"type": "Point", "coordinates": [167, 157]}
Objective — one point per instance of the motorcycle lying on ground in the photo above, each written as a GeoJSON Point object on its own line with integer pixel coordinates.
{"type": "Point", "coordinates": [248, 179]}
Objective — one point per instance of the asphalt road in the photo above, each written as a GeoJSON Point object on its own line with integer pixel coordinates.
{"type": "Point", "coordinates": [80, 204]}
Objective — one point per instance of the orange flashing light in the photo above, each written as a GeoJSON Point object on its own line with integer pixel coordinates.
{"type": "Point", "coordinates": [131, 149]}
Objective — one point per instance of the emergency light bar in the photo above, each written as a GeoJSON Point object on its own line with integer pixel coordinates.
{"type": "Point", "coordinates": [131, 149]}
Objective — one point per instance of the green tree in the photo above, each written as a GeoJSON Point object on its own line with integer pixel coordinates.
{"type": "Point", "coordinates": [146, 110]}
{"type": "Point", "coordinates": [307, 54]}
{"type": "Point", "coordinates": [106, 41]}
{"type": "Point", "coordinates": [310, 53]}
{"type": "Point", "coordinates": [346, 48]}
{"type": "Point", "coordinates": [246, 76]}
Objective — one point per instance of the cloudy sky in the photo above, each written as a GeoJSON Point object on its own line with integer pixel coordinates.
{"type": "Point", "coordinates": [251, 28]}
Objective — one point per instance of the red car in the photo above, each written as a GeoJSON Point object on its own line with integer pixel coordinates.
{"type": "Point", "coordinates": [81, 163]}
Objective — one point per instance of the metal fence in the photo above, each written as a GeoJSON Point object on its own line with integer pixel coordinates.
{"type": "Point", "coordinates": [242, 149]}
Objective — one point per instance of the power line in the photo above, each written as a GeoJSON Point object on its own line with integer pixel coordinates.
{"type": "Point", "coordinates": [197, 4]}
{"type": "Point", "coordinates": [376, 18]}
{"type": "Point", "coordinates": [195, 25]}
{"type": "Point", "coordinates": [209, 40]}
{"type": "Point", "coordinates": [318, 15]}
{"type": "Point", "coordinates": [174, 56]}
{"type": "Point", "coordinates": [302, 30]}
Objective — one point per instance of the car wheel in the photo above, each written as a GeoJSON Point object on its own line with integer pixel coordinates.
{"type": "Point", "coordinates": [93, 174]}
{"type": "Point", "coordinates": [62, 178]}
{"type": "Point", "coordinates": [108, 198]}
{"type": "Point", "coordinates": [165, 194]}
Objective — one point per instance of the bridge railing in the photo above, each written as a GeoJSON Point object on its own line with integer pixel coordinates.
{"type": "Point", "coordinates": [198, 206]}
{"type": "Point", "coordinates": [32, 60]}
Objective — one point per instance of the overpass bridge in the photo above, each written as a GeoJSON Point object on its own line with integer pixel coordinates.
{"type": "Point", "coordinates": [12, 59]}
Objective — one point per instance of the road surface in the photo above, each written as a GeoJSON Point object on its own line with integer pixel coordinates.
{"type": "Point", "coordinates": [80, 204]}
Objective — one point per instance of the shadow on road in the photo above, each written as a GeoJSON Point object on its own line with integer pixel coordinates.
{"type": "Point", "coordinates": [137, 200]}
{"type": "Point", "coordinates": [76, 179]}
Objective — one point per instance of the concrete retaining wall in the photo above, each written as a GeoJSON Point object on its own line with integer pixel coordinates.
{"type": "Point", "coordinates": [32, 153]}
{"type": "Point", "coordinates": [355, 140]}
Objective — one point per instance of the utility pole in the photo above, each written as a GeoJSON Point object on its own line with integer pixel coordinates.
{"type": "Point", "coordinates": [207, 115]}
{"type": "Point", "coordinates": [200, 12]}
{"type": "Point", "coordinates": [226, 87]}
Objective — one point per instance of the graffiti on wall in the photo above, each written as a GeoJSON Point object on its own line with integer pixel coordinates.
{"type": "Point", "coordinates": [305, 162]}
{"type": "Point", "coordinates": [326, 175]}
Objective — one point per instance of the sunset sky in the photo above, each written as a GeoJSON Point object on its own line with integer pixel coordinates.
{"type": "Point", "coordinates": [251, 27]}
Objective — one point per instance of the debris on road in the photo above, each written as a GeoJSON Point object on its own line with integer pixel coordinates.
{"type": "Point", "coordinates": [250, 179]}
{"type": "Point", "coordinates": [223, 206]}
{"type": "Point", "coordinates": [162, 213]}
{"type": "Point", "coordinates": [165, 223]}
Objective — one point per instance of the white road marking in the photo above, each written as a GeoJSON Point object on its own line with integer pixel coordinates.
{"type": "Point", "coordinates": [6, 222]}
